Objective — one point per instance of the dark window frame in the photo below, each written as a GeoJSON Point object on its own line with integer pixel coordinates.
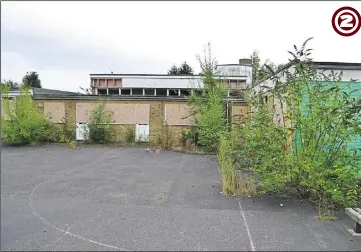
{"type": "Point", "coordinates": [122, 90]}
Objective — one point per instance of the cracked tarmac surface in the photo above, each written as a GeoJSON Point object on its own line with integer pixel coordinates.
{"type": "Point", "coordinates": [99, 198]}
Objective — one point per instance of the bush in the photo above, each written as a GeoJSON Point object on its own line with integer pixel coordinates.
{"type": "Point", "coordinates": [209, 109]}
{"type": "Point", "coordinates": [130, 135]}
{"type": "Point", "coordinates": [100, 125]}
{"type": "Point", "coordinates": [263, 151]}
{"type": "Point", "coordinates": [61, 133]}
{"type": "Point", "coordinates": [189, 136]}
{"type": "Point", "coordinates": [22, 123]}
{"type": "Point", "coordinates": [307, 152]}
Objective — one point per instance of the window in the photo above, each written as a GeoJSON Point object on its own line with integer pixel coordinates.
{"type": "Point", "coordinates": [185, 92]}
{"type": "Point", "coordinates": [125, 91]}
{"type": "Point", "coordinates": [102, 92]}
{"type": "Point", "coordinates": [8, 98]}
{"type": "Point", "coordinates": [236, 93]}
{"type": "Point", "coordinates": [113, 91]}
{"type": "Point", "coordinates": [173, 92]}
{"type": "Point", "coordinates": [137, 91]}
{"type": "Point", "coordinates": [161, 92]}
{"type": "Point", "coordinates": [149, 91]}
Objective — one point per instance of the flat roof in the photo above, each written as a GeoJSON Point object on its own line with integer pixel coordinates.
{"type": "Point", "coordinates": [163, 76]}
{"type": "Point", "coordinates": [160, 76]}
{"type": "Point", "coordinates": [327, 63]}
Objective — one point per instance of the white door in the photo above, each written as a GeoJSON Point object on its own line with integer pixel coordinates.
{"type": "Point", "coordinates": [81, 130]}
{"type": "Point", "coordinates": [142, 132]}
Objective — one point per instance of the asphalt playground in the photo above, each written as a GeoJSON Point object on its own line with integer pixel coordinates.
{"type": "Point", "coordinates": [102, 198]}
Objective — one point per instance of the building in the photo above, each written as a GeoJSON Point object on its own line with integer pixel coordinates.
{"type": "Point", "coordinates": [234, 77]}
{"type": "Point", "coordinates": [152, 106]}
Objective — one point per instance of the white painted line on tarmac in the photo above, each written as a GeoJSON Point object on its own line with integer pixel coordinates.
{"type": "Point", "coordinates": [245, 223]}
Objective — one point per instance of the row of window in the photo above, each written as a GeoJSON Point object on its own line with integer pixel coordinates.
{"type": "Point", "coordinates": [157, 92]}
{"type": "Point", "coordinates": [144, 91]}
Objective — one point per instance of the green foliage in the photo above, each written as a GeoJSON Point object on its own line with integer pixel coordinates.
{"type": "Point", "coordinates": [209, 110]}
{"type": "Point", "coordinates": [302, 147]}
{"type": "Point", "coordinates": [73, 144]}
{"type": "Point", "coordinates": [11, 84]}
{"type": "Point", "coordinates": [185, 69]}
{"type": "Point", "coordinates": [100, 125]}
{"type": "Point", "coordinates": [263, 149]}
{"type": "Point", "coordinates": [173, 70]}
{"type": "Point", "coordinates": [189, 135]}
{"type": "Point", "coordinates": [62, 132]}
{"type": "Point", "coordinates": [130, 135]}
{"type": "Point", "coordinates": [22, 123]}
{"type": "Point", "coordinates": [31, 79]}
{"type": "Point", "coordinates": [232, 181]}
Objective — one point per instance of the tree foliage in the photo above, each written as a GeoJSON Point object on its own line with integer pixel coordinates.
{"type": "Point", "coordinates": [31, 79]}
{"type": "Point", "coordinates": [184, 69]}
{"type": "Point", "coordinates": [100, 124]}
{"type": "Point", "coordinates": [11, 84]}
{"type": "Point", "coordinates": [173, 70]}
{"type": "Point", "coordinates": [208, 110]}
{"type": "Point", "coordinates": [22, 122]}
{"type": "Point", "coordinates": [302, 145]}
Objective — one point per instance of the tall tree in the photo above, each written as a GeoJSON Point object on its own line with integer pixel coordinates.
{"type": "Point", "coordinates": [31, 79]}
{"type": "Point", "coordinates": [11, 84]}
{"type": "Point", "coordinates": [173, 70]}
{"type": "Point", "coordinates": [185, 69]}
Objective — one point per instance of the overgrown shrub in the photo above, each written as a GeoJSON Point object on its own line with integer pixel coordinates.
{"type": "Point", "coordinates": [233, 182]}
{"type": "Point", "coordinates": [189, 136]}
{"type": "Point", "coordinates": [307, 151]}
{"type": "Point", "coordinates": [62, 132]}
{"type": "Point", "coordinates": [100, 125]}
{"type": "Point", "coordinates": [130, 135]}
{"type": "Point", "coordinates": [22, 123]}
{"type": "Point", "coordinates": [263, 151]}
{"type": "Point", "coordinates": [208, 110]}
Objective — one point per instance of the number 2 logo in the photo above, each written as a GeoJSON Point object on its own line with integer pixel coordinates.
{"type": "Point", "coordinates": [346, 21]}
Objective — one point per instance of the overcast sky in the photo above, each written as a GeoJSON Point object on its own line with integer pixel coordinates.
{"type": "Point", "coordinates": [66, 41]}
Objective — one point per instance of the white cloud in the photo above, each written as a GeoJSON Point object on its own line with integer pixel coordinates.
{"type": "Point", "coordinates": [76, 38]}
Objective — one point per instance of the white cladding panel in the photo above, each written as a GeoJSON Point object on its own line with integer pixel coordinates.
{"type": "Point", "coordinates": [142, 82]}
{"type": "Point", "coordinates": [347, 75]}
{"type": "Point", "coordinates": [236, 70]}
{"type": "Point", "coordinates": [233, 70]}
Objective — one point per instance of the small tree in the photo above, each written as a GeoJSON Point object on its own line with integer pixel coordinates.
{"type": "Point", "coordinates": [185, 69]}
{"type": "Point", "coordinates": [100, 125]}
{"type": "Point", "coordinates": [208, 110]}
{"type": "Point", "coordinates": [31, 79]}
{"type": "Point", "coordinates": [173, 70]}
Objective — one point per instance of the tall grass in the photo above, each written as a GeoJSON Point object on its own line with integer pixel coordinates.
{"type": "Point", "coordinates": [232, 181]}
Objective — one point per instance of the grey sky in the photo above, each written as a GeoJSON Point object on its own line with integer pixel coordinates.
{"type": "Point", "coordinates": [66, 41]}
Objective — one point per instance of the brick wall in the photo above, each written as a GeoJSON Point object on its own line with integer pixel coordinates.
{"type": "Point", "coordinates": [159, 133]}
